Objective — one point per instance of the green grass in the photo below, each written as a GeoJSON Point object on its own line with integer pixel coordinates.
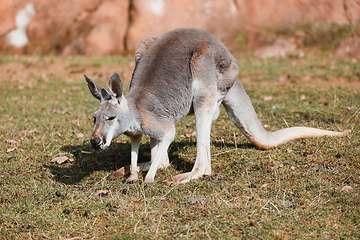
{"type": "Point", "coordinates": [293, 191]}
{"type": "Point", "coordinates": [325, 36]}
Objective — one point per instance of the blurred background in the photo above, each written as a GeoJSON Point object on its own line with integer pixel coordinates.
{"type": "Point", "coordinates": [115, 27]}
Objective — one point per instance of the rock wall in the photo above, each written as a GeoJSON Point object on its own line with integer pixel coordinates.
{"type": "Point", "coordinates": [105, 27]}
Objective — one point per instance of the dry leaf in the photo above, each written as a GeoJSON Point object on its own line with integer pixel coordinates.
{"type": "Point", "coordinates": [80, 135]}
{"type": "Point", "coordinates": [11, 149]}
{"type": "Point", "coordinates": [12, 141]}
{"type": "Point", "coordinates": [347, 189]}
{"type": "Point", "coordinates": [86, 152]}
{"type": "Point", "coordinates": [193, 134]}
{"type": "Point", "coordinates": [103, 193]}
{"type": "Point", "coordinates": [33, 131]}
{"type": "Point", "coordinates": [61, 160]}
{"type": "Point", "coordinates": [118, 174]}
{"type": "Point", "coordinates": [268, 98]}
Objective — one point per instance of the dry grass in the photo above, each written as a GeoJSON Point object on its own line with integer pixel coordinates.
{"type": "Point", "coordinates": [305, 189]}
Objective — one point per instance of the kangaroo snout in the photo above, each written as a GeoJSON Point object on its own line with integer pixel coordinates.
{"type": "Point", "coordinates": [97, 143]}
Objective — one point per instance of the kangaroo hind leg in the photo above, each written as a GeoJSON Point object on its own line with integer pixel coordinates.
{"type": "Point", "coordinates": [213, 71]}
{"type": "Point", "coordinates": [204, 110]}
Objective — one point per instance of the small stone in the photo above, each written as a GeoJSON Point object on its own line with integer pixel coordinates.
{"type": "Point", "coordinates": [66, 211]}
{"type": "Point", "coordinates": [87, 213]}
{"type": "Point", "coordinates": [28, 226]}
{"type": "Point", "coordinates": [112, 209]}
{"type": "Point", "coordinates": [305, 154]}
{"type": "Point", "coordinates": [287, 204]}
{"type": "Point", "coordinates": [292, 168]}
{"type": "Point", "coordinates": [252, 223]}
{"type": "Point", "coordinates": [338, 155]}
{"type": "Point", "coordinates": [103, 194]}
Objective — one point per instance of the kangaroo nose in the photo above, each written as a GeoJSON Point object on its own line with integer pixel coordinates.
{"type": "Point", "coordinates": [95, 143]}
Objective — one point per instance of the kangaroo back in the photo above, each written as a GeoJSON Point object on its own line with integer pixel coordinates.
{"type": "Point", "coordinates": [162, 80]}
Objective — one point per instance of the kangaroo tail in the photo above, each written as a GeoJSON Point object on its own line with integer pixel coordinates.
{"type": "Point", "coordinates": [240, 110]}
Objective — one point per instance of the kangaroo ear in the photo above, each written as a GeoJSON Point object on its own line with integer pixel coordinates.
{"type": "Point", "coordinates": [145, 43]}
{"type": "Point", "coordinates": [95, 89]}
{"type": "Point", "coordinates": [115, 86]}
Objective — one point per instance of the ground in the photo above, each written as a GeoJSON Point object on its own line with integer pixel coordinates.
{"type": "Point", "coordinates": [303, 189]}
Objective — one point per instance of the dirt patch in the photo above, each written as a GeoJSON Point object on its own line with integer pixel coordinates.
{"type": "Point", "coordinates": [20, 72]}
{"type": "Point", "coordinates": [335, 81]}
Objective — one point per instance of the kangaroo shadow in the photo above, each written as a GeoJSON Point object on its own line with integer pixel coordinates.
{"type": "Point", "coordinates": [87, 162]}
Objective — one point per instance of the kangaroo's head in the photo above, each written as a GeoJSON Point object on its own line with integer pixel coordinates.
{"type": "Point", "coordinates": [111, 119]}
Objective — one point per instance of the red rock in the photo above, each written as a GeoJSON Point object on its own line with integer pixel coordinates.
{"type": "Point", "coordinates": [7, 16]}
{"type": "Point", "coordinates": [107, 36]}
{"type": "Point", "coordinates": [155, 17]}
{"type": "Point", "coordinates": [103, 27]}
{"type": "Point", "coordinates": [349, 47]}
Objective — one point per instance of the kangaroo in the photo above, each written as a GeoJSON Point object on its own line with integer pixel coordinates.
{"type": "Point", "coordinates": [185, 71]}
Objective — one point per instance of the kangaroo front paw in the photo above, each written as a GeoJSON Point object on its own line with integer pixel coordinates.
{"type": "Point", "coordinates": [120, 173]}
{"type": "Point", "coordinates": [132, 178]}
{"type": "Point", "coordinates": [148, 180]}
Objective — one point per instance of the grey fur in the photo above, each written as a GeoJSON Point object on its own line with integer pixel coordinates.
{"type": "Point", "coordinates": [182, 72]}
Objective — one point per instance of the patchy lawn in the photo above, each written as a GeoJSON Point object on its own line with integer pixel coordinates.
{"type": "Point", "coordinates": [304, 189]}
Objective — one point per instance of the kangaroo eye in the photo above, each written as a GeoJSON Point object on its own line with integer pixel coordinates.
{"type": "Point", "coordinates": [111, 118]}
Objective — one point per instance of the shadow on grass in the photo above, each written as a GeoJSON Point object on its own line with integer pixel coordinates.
{"type": "Point", "coordinates": [87, 161]}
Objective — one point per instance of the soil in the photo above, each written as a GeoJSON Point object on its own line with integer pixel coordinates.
{"type": "Point", "coordinates": [20, 73]}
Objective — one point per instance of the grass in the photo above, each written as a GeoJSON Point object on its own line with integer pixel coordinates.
{"type": "Point", "coordinates": [296, 68]}
{"type": "Point", "coordinates": [297, 190]}
{"type": "Point", "coordinates": [325, 36]}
